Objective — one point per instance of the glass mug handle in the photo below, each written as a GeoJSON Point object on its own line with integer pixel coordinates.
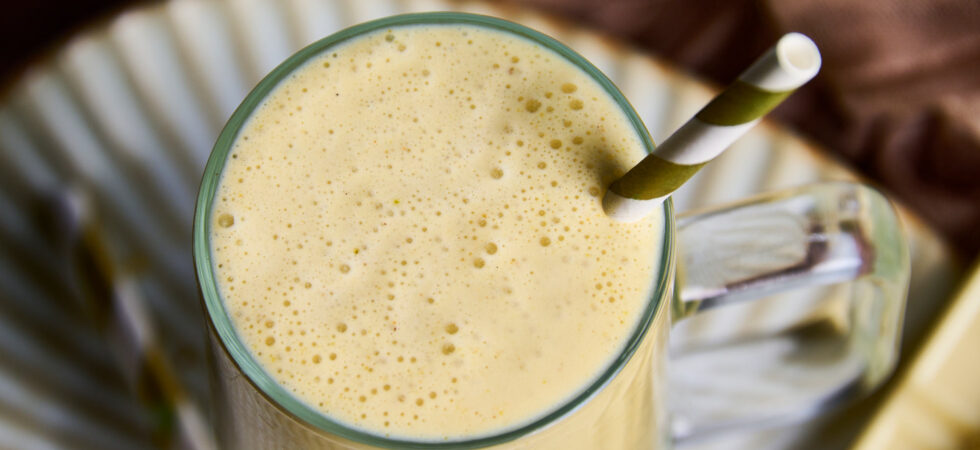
{"type": "Point", "coordinates": [784, 356]}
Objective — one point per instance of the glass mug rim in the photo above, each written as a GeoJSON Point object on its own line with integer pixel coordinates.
{"type": "Point", "coordinates": [220, 322]}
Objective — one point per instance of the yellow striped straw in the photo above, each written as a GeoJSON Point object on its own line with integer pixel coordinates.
{"type": "Point", "coordinates": [789, 64]}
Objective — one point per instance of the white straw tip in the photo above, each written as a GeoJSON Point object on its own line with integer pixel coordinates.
{"type": "Point", "coordinates": [627, 209]}
{"type": "Point", "coordinates": [798, 56]}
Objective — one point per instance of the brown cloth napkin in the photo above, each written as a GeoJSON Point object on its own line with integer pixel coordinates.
{"type": "Point", "coordinates": [898, 96]}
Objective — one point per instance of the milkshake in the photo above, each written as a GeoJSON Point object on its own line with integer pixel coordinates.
{"type": "Point", "coordinates": [408, 235]}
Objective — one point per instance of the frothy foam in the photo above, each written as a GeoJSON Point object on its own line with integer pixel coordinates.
{"type": "Point", "coordinates": [408, 232]}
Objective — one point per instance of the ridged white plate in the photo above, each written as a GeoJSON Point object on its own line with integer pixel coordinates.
{"type": "Point", "coordinates": [125, 115]}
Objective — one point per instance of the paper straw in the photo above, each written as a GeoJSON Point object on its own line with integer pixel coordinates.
{"type": "Point", "coordinates": [789, 64]}
{"type": "Point", "coordinates": [110, 292]}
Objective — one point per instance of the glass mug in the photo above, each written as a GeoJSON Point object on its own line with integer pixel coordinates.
{"type": "Point", "coordinates": [833, 234]}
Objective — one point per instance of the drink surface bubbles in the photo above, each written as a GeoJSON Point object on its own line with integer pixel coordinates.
{"type": "Point", "coordinates": [408, 233]}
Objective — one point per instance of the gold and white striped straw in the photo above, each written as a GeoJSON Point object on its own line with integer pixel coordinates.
{"type": "Point", "coordinates": [110, 292]}
{"type": "Point", "coordinates": [789, 64]}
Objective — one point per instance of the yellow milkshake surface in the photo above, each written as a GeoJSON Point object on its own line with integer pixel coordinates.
{"type": "Point", "coordinates": [408, 233]}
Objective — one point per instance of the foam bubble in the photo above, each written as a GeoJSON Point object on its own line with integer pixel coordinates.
{"type": "Point", "coordinates": [226, 220]}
